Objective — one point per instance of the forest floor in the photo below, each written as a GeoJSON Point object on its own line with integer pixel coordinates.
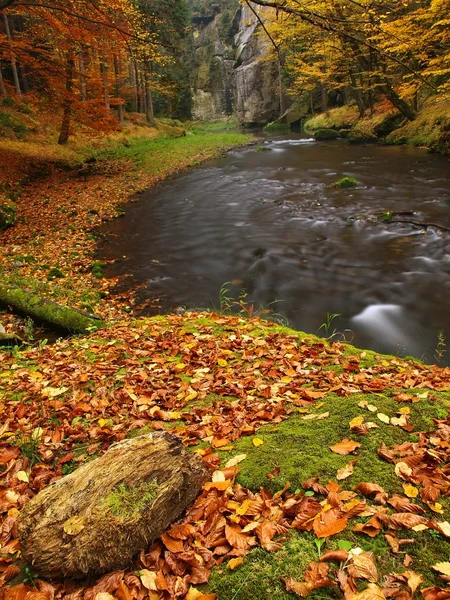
{"type": "Point", "coordinates": [329, 464]}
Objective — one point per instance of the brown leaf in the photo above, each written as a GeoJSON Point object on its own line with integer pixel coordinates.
{"type": "Point", "coordinates": [405, 520]}
{"type": "Point", "coordinates": [372, 592]}
{"type": "Point", "coordinates": [329, 523]}
{"type": "Point", "coordinates": [301, 588]}
{"type": "Point", "coordinates": [413, 580]}
{"type": "Point", "coordinates": [435, 593]}
{"type": "Point", "coordinates": [345, 447]}
{"type": "Point", "coordinates": [402, 504]}
{"type": "Point", "coordinates": [174, 546]}
{"type": "Point", "coordinates": [373, 489]}
{"type": "Point", "coordinates": [235, 537]}
{"type": "Point", "coordinates": [364, 567]}
{"type": "Point", "coordinates": [334, 556]}
{"type": "Point", "coordinates": [8, 453]}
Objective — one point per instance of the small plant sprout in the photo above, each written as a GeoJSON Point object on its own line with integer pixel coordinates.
{"type": "Point", "coordinates": [441, 347]}
{"type": "Point", "coordinates": [319, 543]}
{"type": "Point", "coordinates": [327, 324]}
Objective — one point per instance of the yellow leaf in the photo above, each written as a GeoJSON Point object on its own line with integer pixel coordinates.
{"type": "Point", "coordinates": [258, 442]}
{"type": "Point", "coordinates": [443, 567]}
{"type": "Point", "coordinates": [188, 398]}
{"type": "Point", "coordinates": [102, 422]}
{"type": "Point", "coordinates": [180, 366]}
{"type": "Point", "coordinates": [174, 415]}
{"type": "Point", "coordinates": [235, 562]}
{"type": "Point", "coordinates": [22, 476]}
{"type": "Point", "coordinates": [74, 525]}
{"type": "Point", "coordinates": [243, 508]}
{"type": "Point", "coordinates": [410, 490]}
{"type": "Point", "coordinates": [405, 410]}
{"type": "Point", "coordinates": [436, 507]}
{"type": "Point", "coordinates": [384, 418]}
{"type": "Point", "coordinates": [222, 363]}
{"type": "Point", "coordinates": [419, 527]}
{"type": "Point", "coordinates": [52, 392]}
{"type": "Point", "coordinates": [193, 594]}
{"type": "Point", "coordinates": [356, 422]}
{"type": "Point", "coordinates": [148, 579]}
{"type": "Point", "coordinates": [236, 460]}
{"type": "Point", "coordinates": [13, 512]}
{"type": "Point", "coordinates": [104, 596]}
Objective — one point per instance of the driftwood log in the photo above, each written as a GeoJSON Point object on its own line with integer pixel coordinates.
{"type": "Point", "coordinates": [99, 517]}
{"type": "Point", "coordinates": [63, 318]}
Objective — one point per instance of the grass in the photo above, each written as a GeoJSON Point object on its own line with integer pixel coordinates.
{"type": "Point", "coordinates": [158, 156]}
{"type": "Point", "coordinates": [346, 182]}
{"type": "Point", "coordinates": [344, 117]}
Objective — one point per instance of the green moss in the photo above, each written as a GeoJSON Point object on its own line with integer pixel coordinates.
{"type": "Point", "coordinates": [301, 447]}
{"type": "Point", "coordinates": [346, 182]}
{"type": "Point", "coordinates": [7, 215]}
{"type": "Point", "coordinates": [344, 117]}
{"type": "Point", "coordinates": [124, 502]}
{"type": "Point", "coordinates": [325, 134]}
{"type": "Point", "coordinates": [260, 574]}
{"type": "Point", "coordinates": [430, 128]}
{"type": "Point", "coordinates": [277, 127]}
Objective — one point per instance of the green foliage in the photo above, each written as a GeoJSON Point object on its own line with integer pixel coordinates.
{"type": "Point", "coordinates": [126, 502]}
{"type": "Point", "coordinates": [97, 269]}
{"type": "Point", "coordinates": [9, 122]}
{"type": "Point", "coordinates": [441, 347]}
{"type": "Point", "coordinates": [7, 215]}
{"type": "Point", "coordinates": [277, 127]}
{"type": "Point", "coordinates": [29, 446]}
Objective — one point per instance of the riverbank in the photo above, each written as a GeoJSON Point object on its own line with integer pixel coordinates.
{"type": "Point", "coordinates": [62, 194]}
{"type": "Point", "coordinates": [267, 407]}
{"type": "Point", "coordinates": [431, 128]}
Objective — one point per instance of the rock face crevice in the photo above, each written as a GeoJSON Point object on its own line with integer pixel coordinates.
{"type": "Point", "coordinates": [236, 73]}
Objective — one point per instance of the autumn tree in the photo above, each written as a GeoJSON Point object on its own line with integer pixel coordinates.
{"type": "Point", "coordinates": [397, 49]}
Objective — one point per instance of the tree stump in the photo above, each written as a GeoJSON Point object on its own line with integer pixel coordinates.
{"type": "Point", "coordinates": [99, 517]}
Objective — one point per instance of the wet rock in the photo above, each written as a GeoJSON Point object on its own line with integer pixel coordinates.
{"type": "Point", "coordinates": [322, 135]}
{"type": "Point", "coordinates": [388, 125]}
{"type": "Point", "coordinates": [361, 137]}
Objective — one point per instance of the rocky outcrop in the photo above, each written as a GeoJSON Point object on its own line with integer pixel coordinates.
{"type": "Point", "coordinates": [234, 73]}
{"type": "Point", "coordinates": [256, 76]}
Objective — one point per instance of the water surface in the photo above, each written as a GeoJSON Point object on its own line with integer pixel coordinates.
{"type": "Point", "coordinates": [272, 223]}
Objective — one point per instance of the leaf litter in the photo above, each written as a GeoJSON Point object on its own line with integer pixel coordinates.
{"type": "Point", "coordinates": [147, 373]}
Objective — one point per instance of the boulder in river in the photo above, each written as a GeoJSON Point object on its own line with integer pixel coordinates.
{"type": "Point", "coordinates": [99, 517]}
{"type": "Point", "coordinates": [322, 135]}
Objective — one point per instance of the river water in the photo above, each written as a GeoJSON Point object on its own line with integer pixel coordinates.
{"type": "Point", "coordinates": [271, 223]}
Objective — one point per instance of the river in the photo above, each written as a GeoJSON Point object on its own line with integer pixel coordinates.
{"type": "Point", "coordinates": [268, 220]}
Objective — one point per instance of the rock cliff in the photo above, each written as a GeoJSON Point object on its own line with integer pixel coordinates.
{"type": "Point", "coordinates": [235, 71]}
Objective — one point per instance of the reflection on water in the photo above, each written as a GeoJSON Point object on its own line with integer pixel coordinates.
{"type": "Point", "coordinates": [273, 223]}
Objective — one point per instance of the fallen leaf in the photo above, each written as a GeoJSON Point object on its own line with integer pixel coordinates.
{"type": "Point", "coordinates": [235, 562]}
{"type": "Point", "coordinates": [345, 447]}
{"type": "Point", "coordinates": [236, 460]}
{"type": "Point", "coordinates": [410, 490]}
{"type": "Point", "coordinates": [74, 525]}
{"type": "Point", "coordinates": [346, 471]}
{"type": "Point", "coordinates": [384, 418]}
{"type": "Point", "coordinates": [257, 442]}
{"type": "Point", "coordinates": [356, 422]}
{"type": "Point", "coordinates": [443, 568]}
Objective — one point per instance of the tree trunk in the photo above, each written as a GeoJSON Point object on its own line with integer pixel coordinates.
{"type": "Point", "coordinates": [148, 95]}
{"type": "Point", "coordinates": [67, 114]}
{"type": "Point", "coordinates": [134, 82]}
{"type": "Point", "coordinates": [104, 72]}
{"type": "Point", "coordinates": [120, 107]}
{"type": "Point", "coordinates": [323, 98]}
{"type": "Point", "coordinates": [3, 91]}
{"type": "Point", "coordinates": [57, 316]}
{"type": "Point", "coordinates": [405, 109]}
{"type": "Point", "coordinates": [82, 70]}
{"type": "Point", "coordinates": [99, 517]}
{"type": "Point", "coordinates": [13, 58]}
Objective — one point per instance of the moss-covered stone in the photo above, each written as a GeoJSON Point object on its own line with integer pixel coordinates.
{"type": "Point", "coordinates": [346, 182]}
{"type": "Point", "coordinates": [361, 137]}
{"type": "Point", "coordinates": [7, 215]}
{"type": "Point", "coordinates": [322, 135]}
